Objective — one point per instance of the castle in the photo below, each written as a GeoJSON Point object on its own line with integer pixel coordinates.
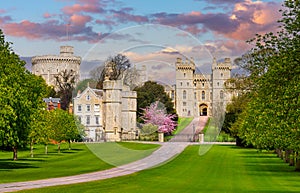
{"type": "Point", "coordinates": [49, 66]}
{"type": "Point", "coordinates": [200, 94]}
{"type": "Point", "coordinates": [110, 114]}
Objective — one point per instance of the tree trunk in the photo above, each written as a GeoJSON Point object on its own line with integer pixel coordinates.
{"type": "Point", "coordinates": [69, 144]}
{"type": "Point", "coordinates": [287, 155]}
{"type": "Point", "coordinates": [15, 153]}
{"type": "Point", "coordinates": [279, 153]}
{"type": "Point", "coordinates": [297, 162]}
{"type": "Point", "coordinates": [31, 149]}
{"type": "Point", "coordinates": [292, 158]}
{"type": "Point", "coordinates": [58, 147]}
{"type": "Point", "coordinates": [46, 149]}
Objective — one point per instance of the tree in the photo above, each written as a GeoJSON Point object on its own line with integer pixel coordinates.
{"type": "Point", "coordinates": [64, 127]}
{"type": "Point", "coordinates": [240, 87]}
{"type": "Point", "coordinates": [82, 85]}
{"type": "Point", "coordinates": [21, 95]}
{"type": "Point", "coordinates": [271, 118]}
{"type": "Point", "coordinates": [149, 93]}
{"type": "Point", "coordinates": [40, 131]}
{"type": "Point", "coordinates": [113, 68]}
{"type": "Point", "coordinates": [156, 115]}
{"type": "Point", "coordinates": [65, 82]}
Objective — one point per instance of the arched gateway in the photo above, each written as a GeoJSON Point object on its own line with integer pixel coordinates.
{"type": "Point", "coordinates": [203, 110]}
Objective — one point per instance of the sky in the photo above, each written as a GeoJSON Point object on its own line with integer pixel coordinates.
{"type": "Point", "coordinates": [152, 33]}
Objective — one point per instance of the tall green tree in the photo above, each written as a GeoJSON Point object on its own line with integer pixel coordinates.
{"type": "Point", "coordinates": [271, 119]}
{"type": "Point", "coordinates": [21, 95]}
{"type": "Point", "coordinates": [149, 93]}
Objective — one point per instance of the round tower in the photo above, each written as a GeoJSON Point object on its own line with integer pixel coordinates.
{"type": "Point", "coordinates": [49, 66]}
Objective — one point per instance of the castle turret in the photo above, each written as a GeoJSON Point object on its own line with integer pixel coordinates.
{"type": "Point", "coordinates": [220, 73]}
{"type": "Point", "coordinates": [185, 87]}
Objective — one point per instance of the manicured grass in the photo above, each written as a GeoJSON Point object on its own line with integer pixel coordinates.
{"type": "Point", "coordinates": [222, 169]}
{"type": "Point", "coordinates": [182, 123]}
{"type": "Point", "coordinates": [69, 162]}
{"type": "Point", "coordinates": [118, 154]}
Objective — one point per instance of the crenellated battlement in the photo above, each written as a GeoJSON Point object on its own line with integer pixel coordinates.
{"type": "Point", "coordinates": [187, 64]}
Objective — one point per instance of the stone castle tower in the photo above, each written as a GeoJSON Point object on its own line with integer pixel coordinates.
{"type": "Point", "coordinates": [200, 94]}
{"type": "Point", "coordinates": [49, 66]}
{"type": "Point", "coordinates": [112, 106]}
{"type": "Point", "coordinates": [119, 109]}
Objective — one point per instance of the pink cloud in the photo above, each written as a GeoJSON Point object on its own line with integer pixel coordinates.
{"type": "Point", "coordinates": [194, 29]}
{"type": "Point", "coordinates": [80, 20]}
{"type": "Point", "coordinates": [88, 8]}
{"type": "Point", "coordinates": [2, 11]}
{"type": "Point", "coordinates": [22, 29]}
{"type": "Point", "coordinates": [48, 15]}
{"type": "Point", "coordinates": [254, 17]}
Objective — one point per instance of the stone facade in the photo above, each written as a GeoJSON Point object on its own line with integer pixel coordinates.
{"type": "Point", "coordinates": [201, 94]}
{"type": "Point", "coordinates": [49, 66]}
{"type": "Point", "coordinates": [88, 106]}
{"type": "Point", "coordinates": [108, 114]}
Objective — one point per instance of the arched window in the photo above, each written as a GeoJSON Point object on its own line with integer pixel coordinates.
{"type": "Point", "coordinates": [221, 94]}
{"type": "Point", "coordinates": [203, 95]}
{"type": "Point", "coordinates": [184, 94]}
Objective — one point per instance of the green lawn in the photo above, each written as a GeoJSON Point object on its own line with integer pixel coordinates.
{"type": "Point", "coordinates": [222, 169]}
{"type": "Point", "coordinates": [69, 162]}
{"type": "Point", "coordinates": [182, 123]}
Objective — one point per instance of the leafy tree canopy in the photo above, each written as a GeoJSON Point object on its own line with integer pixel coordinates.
{"type": "Point", "coordinates": [21, 95]}
{"type": "Point", "coordinates": [151, 92]}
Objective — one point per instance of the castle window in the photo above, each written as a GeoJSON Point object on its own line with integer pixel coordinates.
{"type": "Point", "coordinates": [97, 107]}
{"type": "Point", "coordinates": [180, 83]}
{"type": "Point", "coordinates": [88, 120]}
{"type": "Point", "coordinates": [203, 95]}
{"type": "Point", "coordinates": [184, 94]}
{"type": "Point", "coordinates": [221, 94]}
{"type": "Point", "coordinates": [221, 74]}
{"type": "Point", "coordinates": [202, 84]}
{"type": "Point", "coordinates": [97, 120]}
{"type": "Point", "coordinates": [195, 95]}
{"type": "Point", "coordinates": [188, 84]}
{"type": "Point", "coordinates": [183, 74]}
{"type": "Point", "coordinates": [218, 84]}
{"type": "Point", "coordinates": [88, 97]}
{"type": "Point", "coordinates": [184, 104]}
{"type": "Point", "coordinates": [79, 108]}
{"type": "Point", "coordinates": [88, 107]}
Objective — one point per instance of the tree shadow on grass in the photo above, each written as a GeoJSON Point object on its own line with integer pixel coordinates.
{"type": "Point", "coordinates": [267, 163]}
{"type": "Point", "coordinates": [8, 164]}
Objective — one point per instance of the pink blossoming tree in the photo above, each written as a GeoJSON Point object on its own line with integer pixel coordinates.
{"type": "Point", "coordinates": [157, 116]}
